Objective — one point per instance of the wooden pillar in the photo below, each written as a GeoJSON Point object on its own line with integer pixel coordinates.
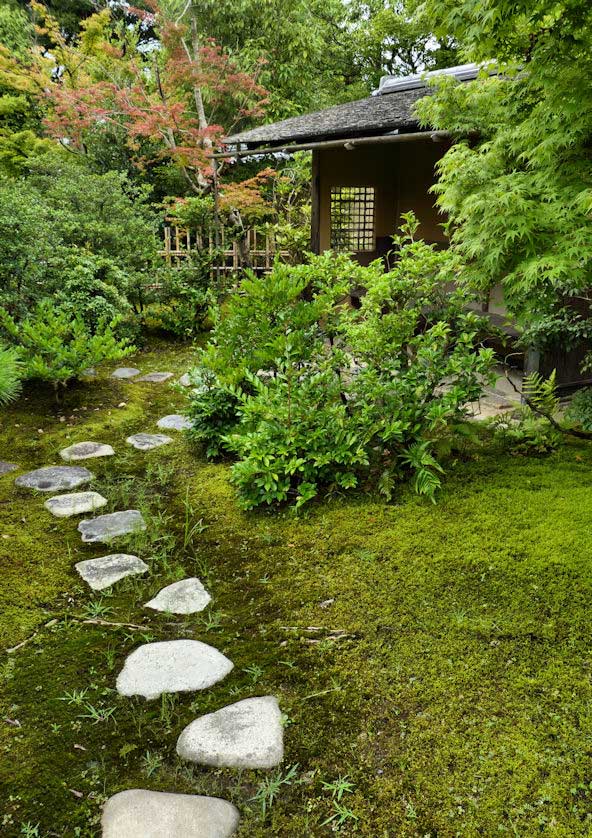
{"type": "Point", "coordinates": [315, 218]}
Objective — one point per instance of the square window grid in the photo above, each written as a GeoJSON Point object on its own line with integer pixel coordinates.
{"type": "Point", "coordinates": [352, 218]}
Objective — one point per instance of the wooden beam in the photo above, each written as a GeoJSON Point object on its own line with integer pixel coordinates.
{"type": "Point", "coordinates": [349, 144]}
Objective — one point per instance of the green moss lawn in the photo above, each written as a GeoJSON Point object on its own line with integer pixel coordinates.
{"type": "Point", "coordinates": [438, 657]}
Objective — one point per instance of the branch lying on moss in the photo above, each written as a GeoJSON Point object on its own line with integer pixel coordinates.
{"type": "Point", "coordinates": [541, 412]}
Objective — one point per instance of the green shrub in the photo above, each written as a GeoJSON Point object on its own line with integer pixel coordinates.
{"type": "Point", "coordinates": [183, 296]}
{"type": "Point", "coordinates": [580, 409]}
{"type": "Point", "coordinates": [56, 346]}
{"type": "Point", "coordinates": [213, 409]}
{"type": "Point", "coordinates": [328, 396]}
{"type": "Point", "coordinates": [11, 372]}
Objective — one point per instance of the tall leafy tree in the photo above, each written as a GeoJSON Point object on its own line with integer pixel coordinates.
{"type": "Point", "coordinates": [518, 184]}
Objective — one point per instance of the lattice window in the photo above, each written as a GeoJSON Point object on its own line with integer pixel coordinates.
{"type": "Point", "coordinates": [352, 218]}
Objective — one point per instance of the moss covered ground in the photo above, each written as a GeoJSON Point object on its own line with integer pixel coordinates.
{"type": "Point", "coordinates": [438, 657]}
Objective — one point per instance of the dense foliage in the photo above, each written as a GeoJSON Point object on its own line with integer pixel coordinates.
{"type": "Point", "coordinates": [518, 185]}
{"type": "Point", "coordinates": [325, 396]}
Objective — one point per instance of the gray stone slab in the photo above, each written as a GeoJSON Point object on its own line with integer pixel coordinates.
{"type": "Point", "coordinates": [185, 597]}
{"type": "Point", "coordinates": [105, 527]}
{"type": "Point", "coordinates": [172, 666]}
{"type": "Point", "coordinates": [64, 506]}
{"type": "Point", "coordinates": [185, 380]}
{"type": "Point", "coordinates": [54, 478]}
{"type": "Point", "coordinates": [137, 813]}
{"type": "Point", "coordinates": [175, 422]}
{"type": "Point", "coordinates": [6, 468]}
{"type": "Point", "coordinates": [146, 442]}
{"type": "Point", "coordinates": [248, 734]}
{"type": "Point", "coordinates": [85, 450]}
{"type": "Point", "coordinates": [105, 571]}
{"type": "Point", "coordinates": [125, 372]}
{"type": "Point", "coordinates": [89, 372]}
{"type": "Point", "coordinates": [155, 377]}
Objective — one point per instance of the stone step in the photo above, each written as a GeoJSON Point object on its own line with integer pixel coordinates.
{"type": "Point", "coordinates": [146, 442]}
{"type": "Point", "coordinates": [247, 734]}
{"type": "Point", "coordinates": [85, 450]}
{"type": "Point", "coordinates": [154, 377]}
{"type": "Point", "coordinates": [172, 666]}
{"type": "Point", "coordinates": [185, 597]}
{"type": "Point", "coordinates": [103, 528]}
{"type": "Point", "coordinates": [6, 468]}
{"type": "Point", "coordinates": [64, 506]}
{"type": "Point", "coordinates": [125, 372]}
{"type": "Point", "coordinates": [54, 478]}
{"type": "Point", "coordinates": [175, 422]}
{"type": "Point", "coordinates": [138, 813]}
{"type": "Point", "coordinates": [105, 571]}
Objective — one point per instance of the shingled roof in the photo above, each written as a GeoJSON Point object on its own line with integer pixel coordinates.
{"type": "Point", "coordinates": [389, 109]}
{"type": "Point", "coordinates": [365, 117]}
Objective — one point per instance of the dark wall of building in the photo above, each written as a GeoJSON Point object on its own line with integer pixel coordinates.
{"type": "Point", "coordinates": [401, 175]}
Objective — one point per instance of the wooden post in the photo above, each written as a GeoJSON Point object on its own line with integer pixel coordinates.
{"type": "Point", "coordinates": [315, 219]}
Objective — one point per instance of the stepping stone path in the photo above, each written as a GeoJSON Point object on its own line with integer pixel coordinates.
{"type": "Point", "coordinates": [185, 597]}
{"type": "Point", "coordinates": [63, 506]}
{"type": "Point", "coordinates": [125, 372]}
{"type": "Point", "coordinates": [85, 450]}
{"type": "Point", "coordinates": [90, 372]}
{"type": "Point", "coordinates": [146, 442]}
{"type": "Point", "coordinates": [247, 734]}
{"type": "Point", "coordinates": [54, 478]}
{"type": "Point", "coordinates": [175, 422]}
{"type": "Point", "coordinates": [172, 666]}
{"type": "Point", "coordinates": [155, 377]}
{"type": "Point", "coordinates": [105, 527]}
{"type": "Point", "coordinates": [137, 813]}
{"type": "Point", "coordinates": [5, 468]}
{"type": "Point", "coordinates": [104, 572]}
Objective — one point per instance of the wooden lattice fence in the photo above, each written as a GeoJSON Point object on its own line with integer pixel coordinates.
{"type": "Point", "coordinates": [180, 243]}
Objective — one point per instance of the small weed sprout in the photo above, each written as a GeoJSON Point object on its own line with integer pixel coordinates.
{"type": "Point", "coordinates": [152, 763]}
{"type": "Point", "coordinates": [269, 789]}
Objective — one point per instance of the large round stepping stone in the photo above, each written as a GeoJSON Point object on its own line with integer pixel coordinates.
{"type": "Point", "coordinates": [137, 813]}
{"type": "Point", "coordinates": [105, 527]}
{"type": "Point", "coordinates": [185, 597]}
{"type": "Point", "coordinates": [6, 468]}
{"type": "Point", "coordinates": [63, 506]}
{"type": "Point", "coordinates": [185, 380]}
{"type": "Point", "coordinates": [54, 478]}
{"type": "Point", "coordinates": [85, 450]}
{"type": "Point", "coordinates": [105, 571]}
{"type": "Point", "coordinates": [125, 372]}
{"type": "Point", "coordinates": [247, 734]}
{"type": "Point", "coordinates": [175, 422]}
{"type": "Point", "coordinates": [172, 666]}
{"type": "Point", "coordinates": [146, 442]}
{"type": "Point", "coordinates": [155, 377]}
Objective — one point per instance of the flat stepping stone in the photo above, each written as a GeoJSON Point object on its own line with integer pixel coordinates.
{"type": "Point", "coordinates": [103, 572]}
{"type": "Point", "coordinates": [137, 813]}
{"type": "Point", "coordinates": [185, 380]}
{"type": "Point", "coordinates": [90, 372]}
{"type": "Point", "coordinates": [185, 597]}
{"type": "Point", "coordinates": [54, 478]}
{"type": "Point", "coordinates": [172, 666]}
{"type": "Point", "coordinates": [85, 450]}
{"type": "Point", "coordinates": [155, 377]}
{"type": "Point", "coordinates": [125, 372]}
{"type": "Point", "coordinates": [146, 442]}
{"type": "Point", "coordinates": [175, 422]}
{"type": "Point", "coordinates": [6, 468]}
{"type": "Point", "coordinates": [105, 527]}
{"type": "Point", "coordinates": [63, 506]}
{"type": "Point", "coordinates": [247, 734]}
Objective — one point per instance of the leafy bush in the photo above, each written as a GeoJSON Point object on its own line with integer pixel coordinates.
{"type": "Point", "coordinates": [56, 346]}
{"type": "Point", "coordinates": [214, 412]}
{"type": "Point", "coordinates": [183, 296]}
{"type": "Point", "coordinates": [580, 409]}
{"type": "Point", "coordinates": [328, 396]}
{"type": "Point", "coordinates": [11, 370]}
